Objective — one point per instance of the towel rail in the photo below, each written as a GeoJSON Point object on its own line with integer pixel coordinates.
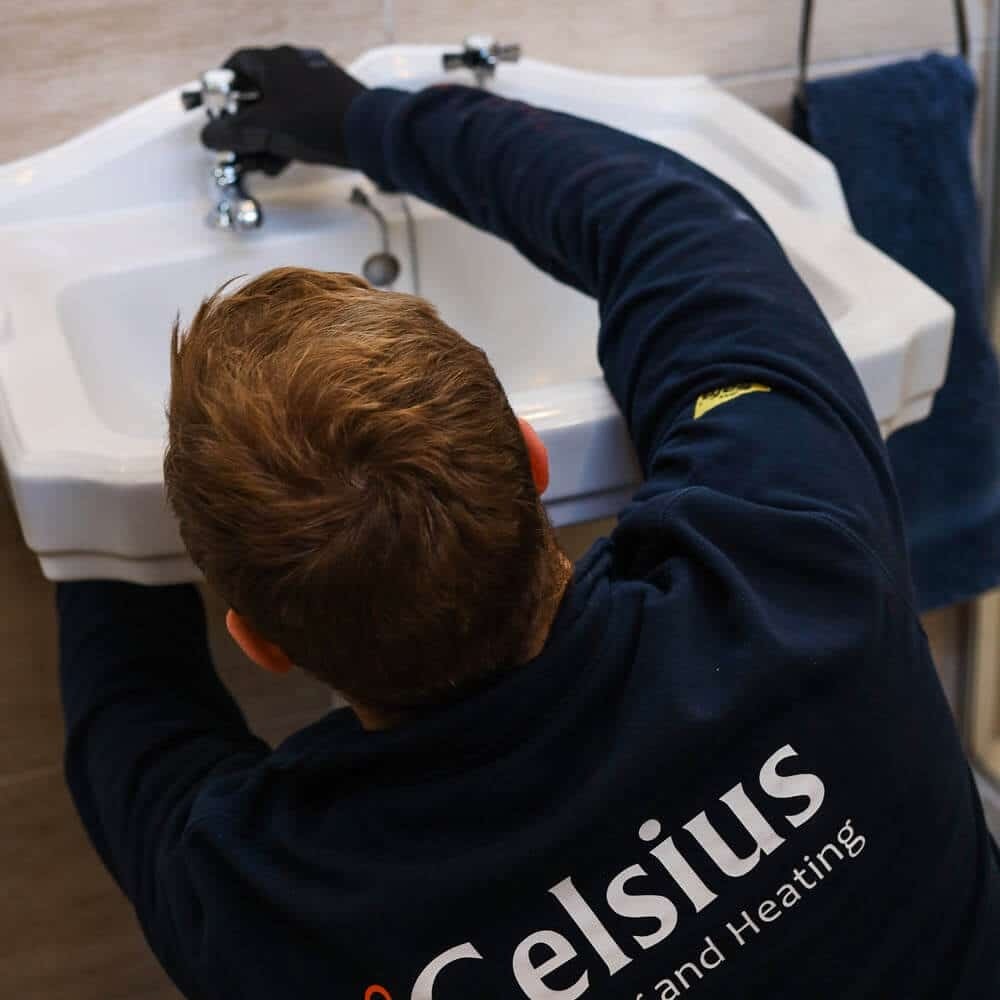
{"type": "Point", "coordinates": [805, 39]}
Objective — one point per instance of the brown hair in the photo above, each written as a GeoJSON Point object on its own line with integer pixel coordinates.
{"type": "Point", "coordinates": [348, 474]}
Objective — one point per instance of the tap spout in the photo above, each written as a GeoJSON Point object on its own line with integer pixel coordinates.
{"type": "Point", "coordinates": [235, 210]}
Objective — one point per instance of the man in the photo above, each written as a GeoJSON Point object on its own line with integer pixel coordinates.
{"type": "Point", "coordinates": [713, 758]}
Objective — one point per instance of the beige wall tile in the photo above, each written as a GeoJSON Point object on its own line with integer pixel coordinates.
{"type": "Point", "coordinates": [30, 716]}
{"type": "Point", "coordinates": [673, 37]}
{"type": "Point", "coordinates": [575, 539]}
{"type": "Point", "coordinates": [30, 713]}
{"type": "Point", "coordinates": [544, 29]}
{"type": "Point", "coordinates": [66, 932]}
{"type": "Point", "coordinates": [69, 64]}
{"type": "Point", "coordinates": [946, 630]}
{"type": "Point", "coordinates": [845, 29]}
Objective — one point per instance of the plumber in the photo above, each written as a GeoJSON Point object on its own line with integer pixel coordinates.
{"type": "Point", "coordinates": [713, 757]}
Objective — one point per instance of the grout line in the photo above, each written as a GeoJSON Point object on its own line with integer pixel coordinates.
{"type": "Point", "coordinates": [829, 66]}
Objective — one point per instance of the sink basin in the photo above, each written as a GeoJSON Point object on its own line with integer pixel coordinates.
{"type": "Point", "coordinates": [103, 242]}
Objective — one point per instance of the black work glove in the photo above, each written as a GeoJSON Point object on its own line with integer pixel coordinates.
{"type": "Point", "coordinates": [300, 113]}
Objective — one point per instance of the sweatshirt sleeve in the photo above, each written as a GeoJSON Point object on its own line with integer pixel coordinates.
{"type": "Point", "coordinates": [148, 722]}
{"type": "Point", "coordinates": [727, 373]}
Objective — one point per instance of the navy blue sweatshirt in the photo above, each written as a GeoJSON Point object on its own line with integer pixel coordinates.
{"type": "Point", "coordinates": [731, 771]}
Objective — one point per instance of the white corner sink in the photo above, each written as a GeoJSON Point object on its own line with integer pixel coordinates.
{"type": "Point", "coordinates": [102, 241]}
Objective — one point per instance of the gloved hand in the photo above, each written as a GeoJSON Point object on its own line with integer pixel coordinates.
{"type": "Point", "coordinates": [300, 113]}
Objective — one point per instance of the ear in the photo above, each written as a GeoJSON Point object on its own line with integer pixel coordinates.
{"type": "Point", "coordinates": [265, 654]}
{"type": "Point", "coordinates": [538, 456]}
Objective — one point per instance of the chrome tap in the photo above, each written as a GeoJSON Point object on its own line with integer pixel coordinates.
{"type": "Point", "coordinates": [235, 209]}
{"type": "Point", "coordinates": [379, 269]}
{"type": "Point", "coordinates": [481, 54]}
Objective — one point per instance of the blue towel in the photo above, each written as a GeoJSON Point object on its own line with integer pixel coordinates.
{"type": "Point", "coordinates": [899, 136]}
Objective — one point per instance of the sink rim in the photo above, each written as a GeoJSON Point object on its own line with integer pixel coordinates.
{"type": "Point", "coordinates": [105, 453]}
{"type": "Point", "coordinates": [29, 426]}
{"type": "Point", "coordinates": [123, 476]}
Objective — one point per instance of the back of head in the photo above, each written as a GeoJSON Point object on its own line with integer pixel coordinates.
{"type": "Point", "coordinates": [348, 474]}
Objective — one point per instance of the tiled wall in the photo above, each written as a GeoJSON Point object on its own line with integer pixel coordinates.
{"type": "Point", "coordinates": [65, 933]}
{"type": "Point", "coordinates": [66, 64]}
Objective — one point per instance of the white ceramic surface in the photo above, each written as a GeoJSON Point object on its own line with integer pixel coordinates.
{"type": "Point", "coordinates": [102, 241]}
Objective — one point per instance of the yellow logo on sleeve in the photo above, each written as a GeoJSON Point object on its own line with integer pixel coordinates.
{"type": "Point", "coordinates": [710, 400]}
